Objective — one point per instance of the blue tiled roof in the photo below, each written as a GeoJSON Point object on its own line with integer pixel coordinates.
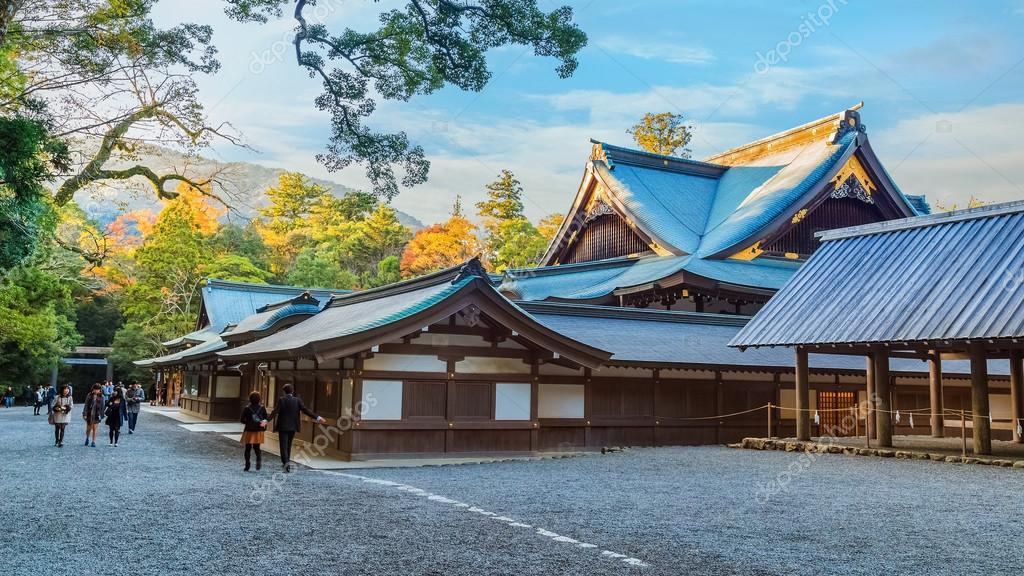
{"type": "Point", "coordinates": [776, 195]}
{"type": "Point", "coordinates": [596, 279]}
{"type": "Point", "coordinates": [670, 205]}
{"type": "Point", "coordinates": [226, 302]}
{"type": "Point", "coordinates": [944, 277]}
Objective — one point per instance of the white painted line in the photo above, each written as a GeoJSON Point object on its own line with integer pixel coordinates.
{"type": "Point", "coordinates": [553, 536]}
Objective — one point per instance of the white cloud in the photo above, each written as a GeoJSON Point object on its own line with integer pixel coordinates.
{"type": "Point", "coordinates": [666, 51]}
{"type": "Point", "coordinates": [951, 157]}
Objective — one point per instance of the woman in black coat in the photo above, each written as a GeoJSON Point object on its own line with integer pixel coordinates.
{"type": "Point", "coordinates": [115, 415]}
{"type": "Point", "coordinates": [254, 416]}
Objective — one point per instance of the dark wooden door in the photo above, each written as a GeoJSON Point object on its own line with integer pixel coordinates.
{"type": "Point", "coordinates": [836, 409]}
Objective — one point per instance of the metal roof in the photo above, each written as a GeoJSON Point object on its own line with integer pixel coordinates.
{"type": "Point", "coordinates": [658, 337]}
{"type": "Point", "coordinates": [182, 356]}
{"type": "Point", "coordinates": [941, 277]}
{"type": "Point", "coordinates": [591, 280]}
{"type": "Point", "coordinates": [360, 320]}
{"type": "Point", "coordinates": [228, 302]}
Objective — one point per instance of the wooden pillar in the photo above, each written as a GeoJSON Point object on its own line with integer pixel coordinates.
{"type": "Point", "coordinates": [980, 424]}
{"type": "Point", "coordinates": [883, 416]}
{"type": "Point", "coordinates": [803, 401]}
{"type": "Point", "coordinates": [869, 372]}
{"type": "Point", "coordinates": [1016, 392]}
{"type": "Point", "coordinates": [935, 393]}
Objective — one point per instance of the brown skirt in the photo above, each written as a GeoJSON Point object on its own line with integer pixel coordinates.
{"type": "Point", "coordinates": [252, 437]}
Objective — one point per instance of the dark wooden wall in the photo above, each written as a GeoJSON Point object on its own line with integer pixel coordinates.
{"type": "Point", "coordinates": [607, 236]}
{"type": "Point", "coordinates": [831, 214]}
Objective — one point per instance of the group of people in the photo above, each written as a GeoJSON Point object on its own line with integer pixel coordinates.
{"type": "Point", "coordinates": [112, 405]}
{"type": "Point", "coordinates": [115, 405]}
{"type": "Point", "coordinates": [107, 403]}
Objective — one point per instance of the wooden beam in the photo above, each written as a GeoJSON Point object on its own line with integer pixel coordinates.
{"type": "Point", "coordinates": [1016, 392]}
{"type": "Point", "coordinates": [980, 424]}
{"type": "Point", "coordinates": [803, 417]}
{"type": "Point", "coordinates": [883, 417]}
{"type": "Point", "coordinates": [869, 373]}
{"type": "Point", "coordinates": [935, 394]}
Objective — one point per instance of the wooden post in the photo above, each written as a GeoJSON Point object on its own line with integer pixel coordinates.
{"type": "Point", "coordinates": [869, 418]}
{"type": "Point", "coordinates": [803, 402]}
{"type": "Point", "coordinates": [883, 416]}
{"type": "Point", "coordinates": [981, 427]}
{"type": "Point", "coordinates": [963, 434]}
{"type": "Point", "coordinates": [935, 392]}
{"type": "Point", "coordinates": [1016, 392]}
{"type": "Point", "coordinates": [770, 420]}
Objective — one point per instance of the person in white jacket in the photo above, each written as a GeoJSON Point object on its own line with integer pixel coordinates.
{"type": "Point", "coordinates": [60, 417]}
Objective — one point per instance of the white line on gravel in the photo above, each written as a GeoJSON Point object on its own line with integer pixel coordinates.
{"type": "Point", "coordinates": [553, 536]}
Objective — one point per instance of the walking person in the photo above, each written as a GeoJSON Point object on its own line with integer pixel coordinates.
{"type": "Point", "coordinates": [255, 418]}
{"type": "Point", "coordinates": [60, 415]}
{"type": "Point", "coordinates": [51, 395]}
{"type": "Point", "coordinates": [135, 399]}
{"type": "Point", "coordinates": [287, 412]}
{"type": "Point", "coordinates": [115, 416]}
{"type": "Point", "coordinates": [93, 412]}
{"type": "Point", "coordinates": [9, 398]}
{"type": "Point", "coordinates": [37, 403]}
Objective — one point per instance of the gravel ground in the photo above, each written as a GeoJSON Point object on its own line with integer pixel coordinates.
{"type": "Point", "coordinates": [168, 501]}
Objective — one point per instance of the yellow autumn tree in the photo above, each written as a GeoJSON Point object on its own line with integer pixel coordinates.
{"type": "Point", "coordinates": [441, 245]}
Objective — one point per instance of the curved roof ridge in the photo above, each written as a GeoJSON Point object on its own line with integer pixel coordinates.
{"type": "Point", "coordinates": [472, 267]}
{"type": "Point", "coordinates": [831, 118]}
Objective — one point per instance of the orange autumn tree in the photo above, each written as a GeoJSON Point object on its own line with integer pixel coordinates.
{"type": "Point", "coordinates": [441, 245]}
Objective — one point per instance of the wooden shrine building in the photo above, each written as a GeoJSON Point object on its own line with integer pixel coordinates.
{"type": "Point", "coordinates": [621, 338]}
{"type": "Point", "coordinates": [945, 286]}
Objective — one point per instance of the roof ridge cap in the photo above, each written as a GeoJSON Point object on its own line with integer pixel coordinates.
{"type": "Point", "coordinates": [597, 311]}
{"type": "Point", "coordinates": [784, 133]}
{"type": "Point", "coordinates": [448, 275]}
{"type": "Point", "coordinates": [923, 221]}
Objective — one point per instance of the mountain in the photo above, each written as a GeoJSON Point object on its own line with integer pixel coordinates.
{"type": "Point", "coordinates": [241, 184]}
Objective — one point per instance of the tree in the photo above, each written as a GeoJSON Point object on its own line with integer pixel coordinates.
{"type": "Point", "coordinates": [37, 324]}
{"type": "Point", "coordinates": [416, 50]}
{"type": "Point", "coordinates": [377, 237]}
{"type": "Point", "coordinates": [244, 241]}
{"type": "Point", "coordinates": [29, 156]}
{"type": "Point", "coordinates": [516, 244]}
{"type": "Point", "coordinates": [235, 267]}
{"type": "Point", "coordinates": [663, 133]}
{"type": "Point", "coordinates": [316, 269]}
{"type": "Point", "coordinates": [549, 225]}
{"type": "Point", "coordinates": [504, 200]}
{"type": "Point", "coordinates": [164, 297]}
{"type": "Point", "coordinates": [441, 245]}
{"type": "Point", "coordinates": [98, 79]}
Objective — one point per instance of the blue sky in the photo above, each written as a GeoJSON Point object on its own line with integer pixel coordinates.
{"type": "Point", "coordinates": [942, 82]}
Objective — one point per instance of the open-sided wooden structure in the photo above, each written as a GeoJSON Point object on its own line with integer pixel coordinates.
{"type": "Point", "coordinates": [946, 286]}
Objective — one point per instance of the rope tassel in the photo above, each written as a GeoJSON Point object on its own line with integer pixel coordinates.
{"type": "Point", "coordinates": [911, 420]}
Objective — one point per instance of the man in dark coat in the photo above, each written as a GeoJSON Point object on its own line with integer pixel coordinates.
{"type": "Point", "coordinates": [288, 421]}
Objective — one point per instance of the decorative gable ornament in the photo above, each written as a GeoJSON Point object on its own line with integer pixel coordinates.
{"type": "Point", "coordinates": [598, 209]}
{"type": "Point", "coordinates": [852, 188]}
